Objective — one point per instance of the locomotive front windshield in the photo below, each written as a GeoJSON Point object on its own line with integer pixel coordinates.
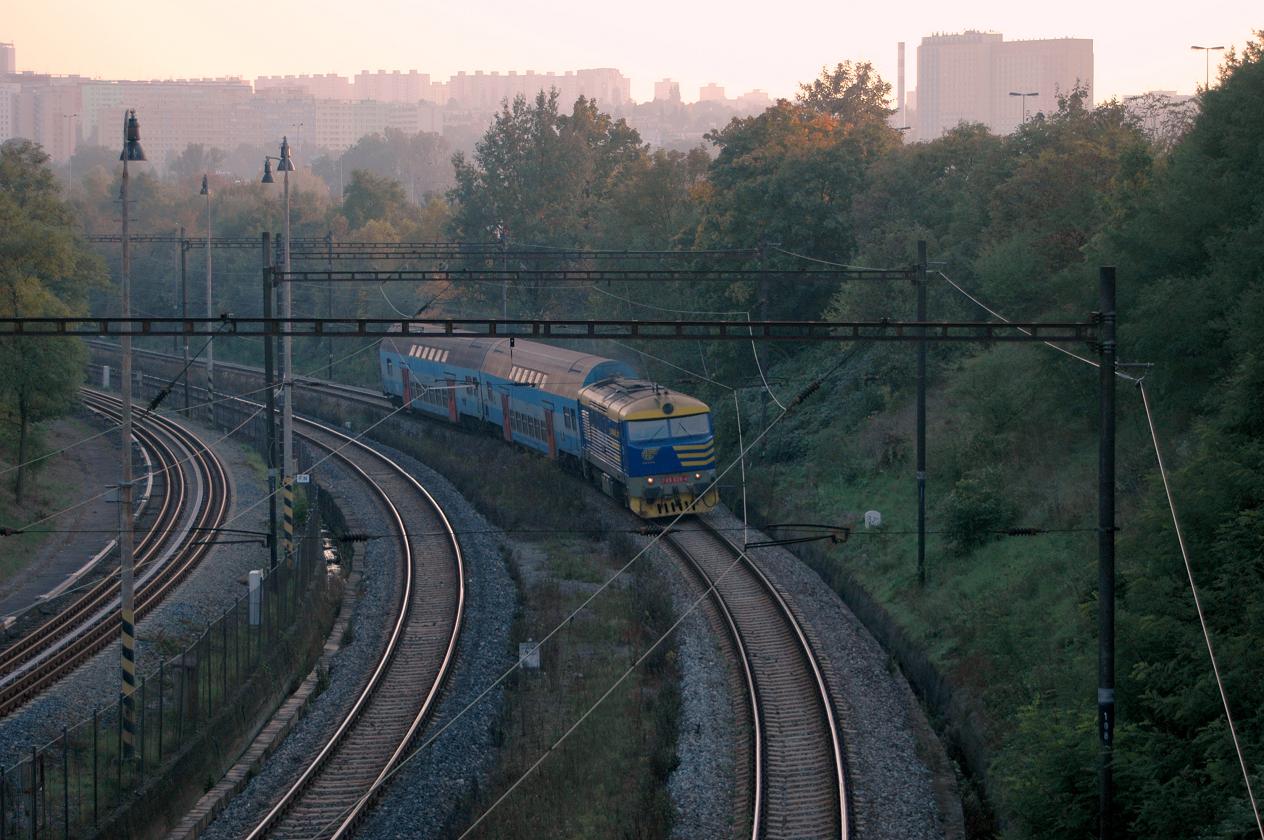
{"type": "Point", "coordinates": [663, 428]}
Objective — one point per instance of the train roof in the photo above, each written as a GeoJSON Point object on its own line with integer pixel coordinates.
{"type": "Point", "coordinates": [638, 399]}
{"type": "Point", "coordinates": [554, 370]}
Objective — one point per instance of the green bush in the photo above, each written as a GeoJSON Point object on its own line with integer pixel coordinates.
{"type": "Point", "coordinates": [976, 509]}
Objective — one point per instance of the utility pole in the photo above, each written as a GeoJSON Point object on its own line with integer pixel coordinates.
{"type": "Point", "coordinates": [269, 403]}
{"type": "Point", "coordinates": [285, 164]}
{"type": "Point", "coordinates": [1108, 352]}
{"type": "Point", "coordinates": [184, 308]}
{"type": "Point", "coordinates": [503, 234]}
{"type": "Point", "coordinates": [287, 365]}
{"type": "Point", "coordinates": [127, 606]}
{"type": "Point", "coordinates": [210, 306]}
{"type": "Point", "coordinates": [329, 301]}
{"type": "Point", "coordinates": [921, 415]}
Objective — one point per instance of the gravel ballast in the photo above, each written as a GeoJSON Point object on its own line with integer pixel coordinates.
{"type": "Point", "coordinates": [429, 788]}
{"type": "Point", "coordinates": [428, 791]}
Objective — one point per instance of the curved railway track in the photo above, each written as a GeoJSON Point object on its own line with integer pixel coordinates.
{"type": "Point", "coordinates": [798, 784]}
{"type": "Point", "coordinates": [333, 791]}
{"type": "Point", "coordinates": [795, 752]}
{"type": "Point", "coordinates": [195, 497]}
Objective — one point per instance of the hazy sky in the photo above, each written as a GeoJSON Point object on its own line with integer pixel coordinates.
{"type": "Point", "coordinates": [771, 45]}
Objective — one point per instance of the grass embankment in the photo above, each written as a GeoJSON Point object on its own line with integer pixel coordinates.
{"type": "Point", "coordinates": [51, 485]}
{"type": "Point", "coordinates": [607, 779]}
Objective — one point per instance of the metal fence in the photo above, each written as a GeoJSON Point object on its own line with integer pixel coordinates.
{"type": "Point", "coordinates": [74, 784]}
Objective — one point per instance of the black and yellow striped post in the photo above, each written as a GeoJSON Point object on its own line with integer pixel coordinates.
{"type": "Point", "coordinates": [128, 662]}
{"type": "Point", "coordinates": [287, 503]}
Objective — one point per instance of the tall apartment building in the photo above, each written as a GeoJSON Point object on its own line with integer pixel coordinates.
{"type": "Point", "coordinates": [9, 110]}
{"type": "Point", "coordinates": [667, 90]}
{"type": "Point", "coordinates": [969, 76]}
{"type": "Point", "coordinates": [481, 91]}
{"type": "Point", "coordinates": [326, 86]}
{"type": "Point", "coordinates": [393, 86]}
{"type": "Point", "coordinates": [8, 59]}
{"type": "Point", "coordinates": [42, 108]}
{"type": "Point", "coordinates": [711, 92]}
{"type": "Point", "coordinates": [174, 113]}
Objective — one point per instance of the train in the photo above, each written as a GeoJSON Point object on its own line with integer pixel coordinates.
{"type": "Point", "coordinates": [645, 445]}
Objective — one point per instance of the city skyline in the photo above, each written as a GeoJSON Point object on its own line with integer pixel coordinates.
{"type": "Point", "coordinates": [742, 51]}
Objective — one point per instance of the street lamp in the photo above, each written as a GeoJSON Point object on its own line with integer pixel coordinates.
{"type": "Point", "coordinates": [70, 146]}
{"type": "Point", "coordinates": [210, 345]}
{"type": "Point", "coordinates": [1207, 51]}
{"type": "Point", "coordinates": [127, 606]}
{"type": "Point", "coordinates": [1024, 96]}
{"type": "Point", "coordinates": [285, 164]}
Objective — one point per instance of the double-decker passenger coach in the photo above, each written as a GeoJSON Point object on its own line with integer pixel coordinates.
{"type": "Point", "coordinates": [641, 443]}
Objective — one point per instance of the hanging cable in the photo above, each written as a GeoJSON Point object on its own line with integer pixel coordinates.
{"type": "Point", "coordinates": [1198, 606]}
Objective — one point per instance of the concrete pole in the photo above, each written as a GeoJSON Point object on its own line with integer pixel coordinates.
{"type": "Point", "coordinates": [269, 403]}
{"type": "Point", "coordinates": [210, 308]}
{"type": "Point", "coordinates": [184, 310]}
{"type": "Point", "coordinates": [1108, 353]}
{"type": "Point", "coordinates": [287, 384]}
{"type": "Point", "coordinates": [126, 538]}
{"type": "Point", "coordinates": [921, 416]}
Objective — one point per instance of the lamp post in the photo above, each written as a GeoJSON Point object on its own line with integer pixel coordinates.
{"type": "Point", "coordinates": [71, 143]}
{"type": "Point", "coordinates": [210, 345]}
{"type": "Point", "coordinates": [285, 164]}
{"type": "Point", "coordinates": [1207, 51]}
{"type": "Point", "coordinates": [127, 607]}
{"type": "Point", "coordinates": [1024, 96]}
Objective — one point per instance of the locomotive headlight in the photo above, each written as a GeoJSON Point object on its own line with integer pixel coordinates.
{"type": "Point", "coordinates": [697, 476]}
{"type": "Point", "coordinates": [649, 480]}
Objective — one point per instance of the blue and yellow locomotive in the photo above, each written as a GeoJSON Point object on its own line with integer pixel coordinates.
{"type": "Point", "coordinates": [641, 443]}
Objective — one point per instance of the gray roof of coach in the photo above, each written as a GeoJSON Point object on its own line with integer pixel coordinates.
{"type": "Point", "coordinates": [552, 369]}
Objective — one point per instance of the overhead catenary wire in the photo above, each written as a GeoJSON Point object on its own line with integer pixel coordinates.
{"type": "Point", "coordinates": [189, 409]}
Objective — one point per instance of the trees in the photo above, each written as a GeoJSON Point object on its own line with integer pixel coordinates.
{"type": "Point", "coordinates": [854, 93]}
{"type": "Point", "coordinates": [196, 160]}
{"type": "Point", "coordinates": [368, 198]}
{"type": "Point", "coordinates": [541, 174]}
{"type": "Point", "coordinates": [419, 162]}
{"type": "Point", "coordinates": [43, 272]}
{"type": "Point", "coordinates": [790, 176]}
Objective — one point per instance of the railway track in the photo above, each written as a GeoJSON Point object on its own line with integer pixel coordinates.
{"type": "Point", "coordinates": [798, 783]}
{"type": "Point", "coordinates": [795, 756]}
{"type": "Point", "coordinates": [333, 791]}
{"type": "Point", "coordinates": [195, 497]}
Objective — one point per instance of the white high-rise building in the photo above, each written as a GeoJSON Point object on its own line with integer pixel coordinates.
{"type": "Point", "coordinates": [970, 76]}
{"type": "Point", "coordinates": [8, 59]}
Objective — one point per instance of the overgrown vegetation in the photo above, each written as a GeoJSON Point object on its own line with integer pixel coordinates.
{"type": "Point", "coordinates": [608, 778]}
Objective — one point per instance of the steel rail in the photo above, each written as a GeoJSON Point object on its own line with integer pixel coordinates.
{"type": "Point", "coordinates": [759, 701]}
{"type": "Point", "coordinates": [48, 653]}
{"type": "Point", "coordinates": [343, 736]}
{"type": "Point", "coordinates": [64, 621]}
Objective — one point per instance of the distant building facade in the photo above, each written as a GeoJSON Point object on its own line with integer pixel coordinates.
{"type": "Point", "coordinates": [326, 114]}
{"type": "Point", "coordinates": [711, 92]}
{"type": "Point", "coordinates": [485, 92]}
{"type": "Point", "coordinates": [667, 90]}
{"type": "Point", "coordinates": [969, 77]}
